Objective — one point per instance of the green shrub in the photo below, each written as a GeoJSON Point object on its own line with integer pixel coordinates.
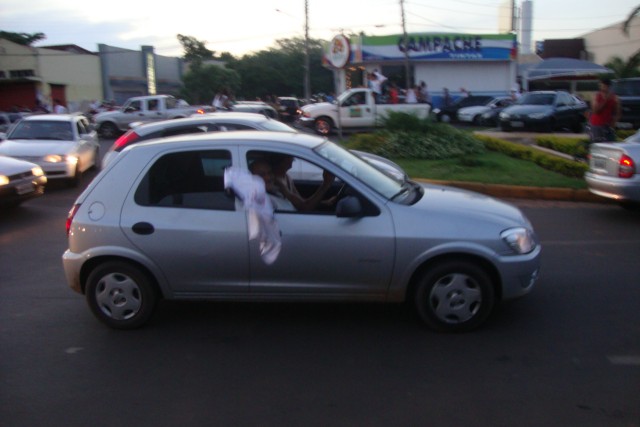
{"type": "Point", "coordinates": [441, 141]}
{"type": "Point", "coordinates": [577, 147]}
{"type": "Point", "coordinates": [625, 133]}
{"type": "Point", "coordinates": [557, 164]}
{"type": "Point", "coordinates": [403, 122]}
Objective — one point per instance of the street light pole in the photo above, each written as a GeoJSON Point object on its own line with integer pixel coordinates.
{"type": "Point", "coordinates": [307, 71]}
{"type": "Point", "coordinates": [406, 50]}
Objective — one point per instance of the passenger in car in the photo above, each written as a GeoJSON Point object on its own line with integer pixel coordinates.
{"type": "Point", "coordinates": [262, 168]}
{"type": "Point", "coordinates": [281, 165]}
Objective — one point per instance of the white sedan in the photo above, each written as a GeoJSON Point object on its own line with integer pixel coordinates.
{"type": "Point", "coordinates": [63, 145]}
{"type": "Point", "coordinates": [474, 114]}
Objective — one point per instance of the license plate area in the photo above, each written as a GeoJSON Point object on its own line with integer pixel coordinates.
{"type": "Point", "coordinates": [24, 188]}
{"type": "Point", "coordinates": [517, 124]}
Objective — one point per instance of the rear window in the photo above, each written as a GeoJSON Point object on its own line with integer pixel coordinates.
{"type": "Point", "coordinates": [189, 179]}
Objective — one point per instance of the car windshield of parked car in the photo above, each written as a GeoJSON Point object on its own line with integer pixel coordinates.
{"type": "Point", "coordinates": [42, 129]}
{"type": "Point", "coordinates": [536, 99]}
{"type": "Point", "coordinates": [378, 181]}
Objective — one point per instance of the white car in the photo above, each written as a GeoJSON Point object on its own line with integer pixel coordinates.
{"type": "Point", "coordinates": [63, 145]}
{"type": "Point", "coordinates": [474, 114]}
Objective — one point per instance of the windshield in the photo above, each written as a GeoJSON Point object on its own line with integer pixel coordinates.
{"type": "Point", "coordinates": [360, 169]}
{"type": "Point", "coordinates": [42, 129]}
{"type": "Point", "coordinates": [536, 99]}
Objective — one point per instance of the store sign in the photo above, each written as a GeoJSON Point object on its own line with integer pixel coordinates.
{"type": "Point", "coordinates": [429, 46]}
{"type": "Point", "coordinates": [339, 51]}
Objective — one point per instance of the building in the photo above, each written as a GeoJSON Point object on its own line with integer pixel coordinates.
{"type": "Point", "coordinates": [30, 75]}
{"type": "Point", "coordinates": [479, 63]}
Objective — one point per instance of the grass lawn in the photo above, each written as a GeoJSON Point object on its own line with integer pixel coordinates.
{"type": "Point", "coordinates": [489, 168]}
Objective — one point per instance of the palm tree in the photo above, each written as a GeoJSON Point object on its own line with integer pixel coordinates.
{"type": "Point", "coordinates": [625, 27]}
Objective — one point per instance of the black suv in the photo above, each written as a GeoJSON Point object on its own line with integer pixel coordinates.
{"type": "Point", "coordinates": [628, 91]}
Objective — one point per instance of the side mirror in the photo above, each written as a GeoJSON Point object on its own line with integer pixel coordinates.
{"type": "Point", "coordinates": [349, 207]}
{"type": "Point", "coordinates": [129, 110]}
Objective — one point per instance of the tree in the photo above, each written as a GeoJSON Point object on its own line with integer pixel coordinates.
{"type": "Point", "coordinates": [24, 39]}
{"type": "Point", "coordinates": [202, 82]}
{"type": "Point", "coordinates": [623, 69]}
{"type": "Point", "coordinates": [194, 50]}
{"type": "Point", "coordinates": [625, 27]}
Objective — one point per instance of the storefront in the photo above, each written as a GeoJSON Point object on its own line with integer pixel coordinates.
{"type": "Point", "coordinates": [480, 63]}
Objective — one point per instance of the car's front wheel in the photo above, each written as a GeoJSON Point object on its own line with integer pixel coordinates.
{"type": "Point", "coordinates": [323, 126]}
{"type": "Point", "coordinates": [120, 295]}
{"type": "Point", "coordinates": [454, 296]}
{"type": "Point", "coordinates": [108, 130]}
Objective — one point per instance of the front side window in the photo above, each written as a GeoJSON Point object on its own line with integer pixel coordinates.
{"type": "Point", "coordinates": [187, 179]}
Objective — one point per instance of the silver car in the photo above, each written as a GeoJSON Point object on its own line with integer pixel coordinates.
{"type": "Point", "coordinates": [63, 145]}
{"type": "Point", "coordinates": [199, 123]}
{"type": "Point", "coordinates": [613, 171]}
{"type": "Point", "coordinates": [157, 223]}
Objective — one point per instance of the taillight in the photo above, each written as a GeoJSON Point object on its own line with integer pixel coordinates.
{"type": "Point", "coordinates": [72, 213]}
{"type": "Point", "coordinates": [627, 167]}
{"type": "Point", "coordinates": [128, 138]}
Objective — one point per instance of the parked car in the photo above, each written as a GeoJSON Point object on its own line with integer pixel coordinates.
{"type": "Point", "coordinates": [159, 224]}
{"type": "Point", "coordinates": [63, 145]}
{"type": "Point", "coordinates": [289, 108]}
{"type": "Point", "coordinates": [475, 114]}
{"type": "Point", "coordinates": [449, 113]}
{"type": "Point", "coordinates": [544, 111]}
{"type": "Point", "coordinates": [613, 171]}
{"type": "Point", "coordinates": [19, 181]}
{"type": "Point", "coordinates": [198, 123]}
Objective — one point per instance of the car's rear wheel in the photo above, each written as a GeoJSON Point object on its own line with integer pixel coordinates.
{"type": "Point", "coordinates": [323, 126]}
{"type": "Point", "coordinates": [108, 130]}
{"type": "Point", "coordinates": [454, 296]}
{"type": "Point", "coordinates": [120, 295]}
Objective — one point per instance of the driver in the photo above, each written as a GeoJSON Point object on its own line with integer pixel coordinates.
{"type": "Point", "coordinates": [281, 165]}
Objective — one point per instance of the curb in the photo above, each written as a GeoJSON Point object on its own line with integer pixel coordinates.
{"type": "Point", "coordinates": [522, 192]}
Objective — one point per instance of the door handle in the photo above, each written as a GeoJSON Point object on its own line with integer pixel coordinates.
{"type": "Point", "coordinates": [143, 228]}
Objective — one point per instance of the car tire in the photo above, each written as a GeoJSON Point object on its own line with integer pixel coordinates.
{"type": "Point", "coordinates": [121, 295]}
{"type": "Point", "coordinates": [108, 130]}
{"type": "Point", "coordinates": [477, 120]}
{"type": "Point", "coordinates": [323, 126]}
{"type": "Point", "coordinates": [454, 296]}
{"type": "Point", "coordinates": [76, 179]}
{"type": "Point", "coordinates": [445, 118]}
{"type": "Point", "coordinates": [504, 128]}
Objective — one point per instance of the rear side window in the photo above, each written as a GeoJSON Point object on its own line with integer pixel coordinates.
{"type": "Point", "coordinates": [188, 179]}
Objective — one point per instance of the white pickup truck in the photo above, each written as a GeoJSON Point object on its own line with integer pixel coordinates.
{"type": "Point", "coordinates": [144, 109]}
{"type": "Point", "coordinates": [355, 109]}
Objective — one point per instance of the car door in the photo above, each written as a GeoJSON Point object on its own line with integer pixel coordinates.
{"type": "Point", "coordinates": [323, 256]}
{"type": "Point", "coordinates": [564, 110]}
{"type": "Point", "coordinates": [181, 218]}
{"type": "Point", "coordinates": [356, 111]}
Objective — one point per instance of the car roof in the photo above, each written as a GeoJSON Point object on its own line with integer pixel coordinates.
{"type": "Point", "coordinates": [211, 139]}
{"type": "Point", "coordinates": [231, 117]}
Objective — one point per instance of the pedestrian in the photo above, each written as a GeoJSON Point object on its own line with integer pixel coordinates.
{"type": "Point", "coordinates": [446, 98]}
{"type": "Point", "coordinates": [605, 112]}
{"type": "Point", "coordinates": [465, 93]}
{"type": "Point", "coordinates": [393, 93]}
{"type": "Point", "coordinates": [412, 95]}
{"type": "Point", "coordinates": [425, 97]}
{"type": "Point", "coordinates": [59, 108]}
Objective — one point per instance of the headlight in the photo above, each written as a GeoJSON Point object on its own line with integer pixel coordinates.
{"type": "Point", "coordinates": [4, 180]}
{"type": "Point", "coordinates": [519, 239]}
{"type": "Point", "coordinates": [504, 116]}
{"type": "Point", "coordinates": [538, 115]}
{"type": "Point", "coordinates": [436, 111]}
{"type": "Point", "coordinates": [56, 158]}
{"type": "Point", "coordinates": [37, 171]}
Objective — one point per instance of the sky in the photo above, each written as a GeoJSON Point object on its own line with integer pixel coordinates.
{"type": "Point", "coordinates": [245, 26]}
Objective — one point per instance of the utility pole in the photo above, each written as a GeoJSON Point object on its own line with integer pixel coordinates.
{"type": "Point", "coordinates": [307, 70]}
{"type": "Point", "coordinates": [408, 83]}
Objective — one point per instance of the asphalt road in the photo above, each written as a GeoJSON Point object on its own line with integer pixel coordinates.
{"type": "Point", "coordinates": [566, 355]}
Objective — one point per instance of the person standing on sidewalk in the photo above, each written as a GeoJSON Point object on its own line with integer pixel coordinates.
{"type": "Point", "coordinates": [605, 112]}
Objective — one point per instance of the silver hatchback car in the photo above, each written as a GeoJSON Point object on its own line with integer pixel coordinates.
{"type": "Point", "coordinates": [159, 223]}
